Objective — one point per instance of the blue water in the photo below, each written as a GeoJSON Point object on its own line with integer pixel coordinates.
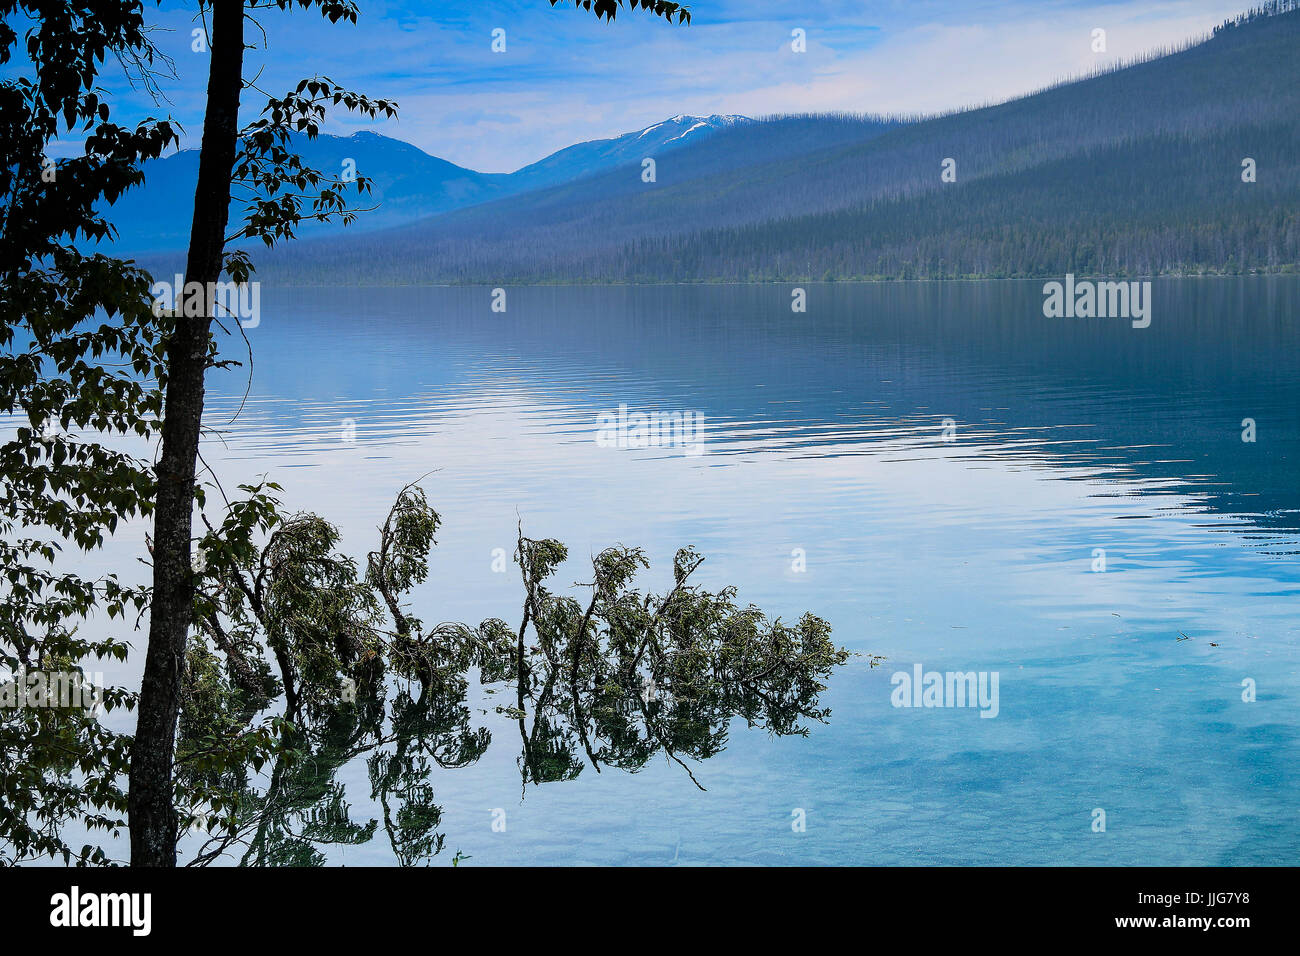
{"type": "Point", "coordinates": [966, 548]}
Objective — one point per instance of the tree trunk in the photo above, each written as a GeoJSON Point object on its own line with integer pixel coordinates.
{"type": "Point", "coordinates": [151, 815]}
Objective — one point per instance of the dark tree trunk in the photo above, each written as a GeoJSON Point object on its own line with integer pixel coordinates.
{"type": "Point", "coordinates": [151, 815]}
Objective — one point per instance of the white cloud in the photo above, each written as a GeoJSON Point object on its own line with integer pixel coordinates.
{"type": "Point", "coordinates": [749, 68]}
{"type": "Point", "coordinates": [567, 79]}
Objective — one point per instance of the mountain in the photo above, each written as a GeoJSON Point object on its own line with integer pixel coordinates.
{"type": "Point", "coordinates": [1134, 171]}
{"type": "Point", "coordinates": [585, 158]}
{"type": "Point", "coordinates": [407, 183]}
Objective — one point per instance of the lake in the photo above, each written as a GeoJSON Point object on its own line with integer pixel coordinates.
{"type": "Point", "coordinates": [1074, 507]}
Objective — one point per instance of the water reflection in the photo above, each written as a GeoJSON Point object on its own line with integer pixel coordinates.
{"type": "Point", "coordinates": [610, 682]}
{"type": "Point", "coordinates": [825, 432]}
{"type": "Point", "coordinates": [868, 368]}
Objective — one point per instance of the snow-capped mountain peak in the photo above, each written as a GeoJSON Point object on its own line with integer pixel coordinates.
{"type": "Point", "coordinates": [712, 121]}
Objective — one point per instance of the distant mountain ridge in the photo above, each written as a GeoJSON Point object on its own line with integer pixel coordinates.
{"type": "Point", "coordinates": [1142, 170]}
{"type": "Point", "coordinates": [408, 183]}
{"type": "Point", "coordinates": [586, 158]}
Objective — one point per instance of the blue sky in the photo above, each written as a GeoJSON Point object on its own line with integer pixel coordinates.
{"type": "Point", "coordinates": [565, 78]}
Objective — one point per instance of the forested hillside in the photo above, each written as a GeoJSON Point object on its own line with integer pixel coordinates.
{"type": "Point", "coordinates": [1134, 171]}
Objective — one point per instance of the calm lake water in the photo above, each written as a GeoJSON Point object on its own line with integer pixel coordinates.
{"type": "Point", "coordinates": [930, 467]}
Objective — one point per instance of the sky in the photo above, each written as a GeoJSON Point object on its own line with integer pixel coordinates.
{"type": "Point", "coordinates": [565, 78]}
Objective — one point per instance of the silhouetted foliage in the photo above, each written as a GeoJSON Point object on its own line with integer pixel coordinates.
{"type": "Point", "coordinates": [611, 681]}
{"type": "Point", "coordinates": [79, 362]}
